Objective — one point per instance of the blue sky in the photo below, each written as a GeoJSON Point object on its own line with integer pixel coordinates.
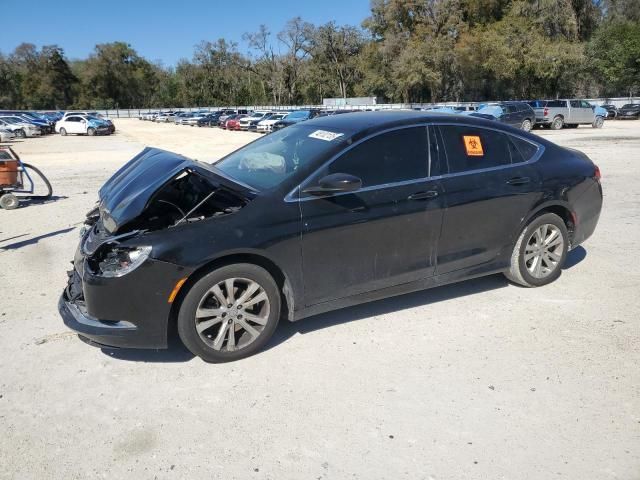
{"type": "Point", "coordinates": [160, 30]}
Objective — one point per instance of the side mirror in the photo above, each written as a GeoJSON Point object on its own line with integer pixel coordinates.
{"type": "Point", "coordinates": [335, 183]}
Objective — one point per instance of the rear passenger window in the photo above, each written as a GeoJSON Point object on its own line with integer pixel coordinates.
{"type": "Point", "coordinates": [471, 148]}
{"type": "Point", "coordinates": [387, 158]}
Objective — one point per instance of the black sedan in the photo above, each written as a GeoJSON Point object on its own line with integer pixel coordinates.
{"type": "Point", "coordinates": [629, 111]}
{"type": "Point", "coordinates": [612, 110]}
{"type": "Point", "coordinates": [328, 213]}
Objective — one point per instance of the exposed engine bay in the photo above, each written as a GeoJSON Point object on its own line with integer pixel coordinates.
{"type": "Point", "coordinates": [188, 197]}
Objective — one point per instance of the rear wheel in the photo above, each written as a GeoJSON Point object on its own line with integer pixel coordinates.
{"type": "Point", "coordinates": [540, 252]}
{"type": "Point", "coordinates": [527, 125]}
{"type": "Point", "coordinates": [63, 132]}
{"type": "Point", "coordinates": [91, 131]}
{"type": "Point", "coordinates": [557, 123]}
{"type": "Point", "coordinates": [229, 313]}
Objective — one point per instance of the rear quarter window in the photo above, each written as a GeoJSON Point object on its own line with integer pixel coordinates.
{"type": "Point", "coordinates": [521, 150]}
{"type": "Point", "coordinates": [471, 148]}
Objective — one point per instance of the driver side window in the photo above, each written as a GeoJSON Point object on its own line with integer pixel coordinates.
{"type": "Point", "coordinates": [396, 156]}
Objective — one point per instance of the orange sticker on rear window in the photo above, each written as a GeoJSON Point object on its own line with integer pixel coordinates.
{"type": "Point", "coordinates": [473, 145]}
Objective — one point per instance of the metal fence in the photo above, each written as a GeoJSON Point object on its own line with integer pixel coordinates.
{"type": "Point", "coordinates": [135, 113]}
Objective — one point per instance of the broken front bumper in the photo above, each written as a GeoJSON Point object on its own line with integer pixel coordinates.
{"type": "Point", "coordinates": [131, 311]}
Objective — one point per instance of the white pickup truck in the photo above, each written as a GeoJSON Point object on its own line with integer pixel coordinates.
{"type": "Point", "coordinates": [556, 114]}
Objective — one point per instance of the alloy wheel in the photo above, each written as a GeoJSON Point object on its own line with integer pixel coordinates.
{"type": "Point", "coordinates": [543, 251]}
{"type": "Point", "coordinates": [232, 314]}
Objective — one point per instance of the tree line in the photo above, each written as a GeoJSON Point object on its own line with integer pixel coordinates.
{"type": "Point", "coordinates": [405, 51]}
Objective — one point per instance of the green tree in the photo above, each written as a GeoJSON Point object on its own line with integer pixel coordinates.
{"type": "Point", "coordinates": [615, 54]}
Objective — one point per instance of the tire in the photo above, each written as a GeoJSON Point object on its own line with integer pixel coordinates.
{"type": "Point", "coordinates": [63, 132]}
{"type": "Point", "coordinates": [91, 132]}
{"type": "Point", "coordinates": [533, 274]}
{"type": "Point", "coordinates": [21, 134]}
{"type": "Point", "coordinates": [598, 122]}
{"type": "Point", "coordinates": [9, 201]}
{"type": "Point", "coordinates": [213, 343]}
{"type": "Point", "coordinates": [527, 125]}
{"type": "Point", "coordinates": [557, 123]}
{"type": "Point", "coordinates": [47, 190]}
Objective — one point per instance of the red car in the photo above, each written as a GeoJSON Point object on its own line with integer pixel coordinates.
{"type": "Point", "coordinates": [234, 123]}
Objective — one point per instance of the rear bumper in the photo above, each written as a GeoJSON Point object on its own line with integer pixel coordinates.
{"type": "Point", "coordinates": [587, 211]}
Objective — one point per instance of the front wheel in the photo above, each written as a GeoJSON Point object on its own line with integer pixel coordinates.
{"type": "Point", "coordinates": [598, 122]}
{"type": "Point", "coordinates": [21, 134]}
{"type": "Point", "coordinates": [229, 313]}
{"type": "Point", "coordinates": [527, 125]}
{"type": "Point", "coordinates": [540, 252]}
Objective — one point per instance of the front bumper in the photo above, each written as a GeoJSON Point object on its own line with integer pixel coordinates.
{"type": "Point", "coordinates": [131, 311]}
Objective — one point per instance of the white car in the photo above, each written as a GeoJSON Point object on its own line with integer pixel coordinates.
{"type": "Point", "coordinates": [19, 127]}
{"type": "Point", "coordinates": [253, 117]}
{"type": "Point", "coordinates": [164, 117]}
{"type": "Point", "coordinates": [6, 135]}
{"type": "Point", "coordinates": [81, 125]}
{"type": "Point", "coordinates": [265, 126]}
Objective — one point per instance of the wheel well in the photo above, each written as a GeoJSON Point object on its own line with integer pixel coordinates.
{"type": "Point", "coordinates": [564, 213]}
{"type": "Point", "coordinates": [286, 295]}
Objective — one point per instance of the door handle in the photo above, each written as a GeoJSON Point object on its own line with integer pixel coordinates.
{"type": "Point", "coordinates": [423, 195]}
{"type": "Point", "coordinates": [518, 181]}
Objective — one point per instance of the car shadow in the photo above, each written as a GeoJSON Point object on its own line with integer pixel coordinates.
{"type": "Point", "coordinates": [175, 352]}
{"type": "Point", "coordinates": [388, 305]}
{"type": "Point", "coordinates": [29, 202]}
{"type": "Point", "coordinates": [574, 257]}
{"type": "Point", "coordinates": [31, 241]}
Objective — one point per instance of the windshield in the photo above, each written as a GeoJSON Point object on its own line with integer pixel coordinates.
{"type": "Point", "coordinates": [300, 114]}
{"type": "Point", "coordinates": [270, 160]}
{"type": "Point", "coordinates": [493, 110]}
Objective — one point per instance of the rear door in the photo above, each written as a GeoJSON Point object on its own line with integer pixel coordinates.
{"type": "Point", "coordinates": [382, 235]}
{"type": "Point", "coordinates": [488, 190]}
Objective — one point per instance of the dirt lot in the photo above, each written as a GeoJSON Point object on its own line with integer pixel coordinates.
{"type": "Point", "coordinates": [476, 380]}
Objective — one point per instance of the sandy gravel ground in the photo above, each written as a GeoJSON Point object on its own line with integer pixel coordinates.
{"type": "Point", "coordinates": [480, 380]}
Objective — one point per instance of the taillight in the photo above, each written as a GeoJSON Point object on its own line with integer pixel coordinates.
{"type": "Point", "coordinates": [596, 174]}
{"type": "Point", "coordinates": [546, 111]}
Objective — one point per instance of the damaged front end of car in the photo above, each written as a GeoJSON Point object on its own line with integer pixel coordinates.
{"type": "Point", "coordinates": [115, 266]}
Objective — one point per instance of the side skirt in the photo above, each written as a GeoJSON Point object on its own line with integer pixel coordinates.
{"type": "Point", "coordinates": [424, 284]}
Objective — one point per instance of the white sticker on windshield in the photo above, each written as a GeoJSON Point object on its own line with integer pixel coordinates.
{"type": "Point", "coordinates": [324, 135]}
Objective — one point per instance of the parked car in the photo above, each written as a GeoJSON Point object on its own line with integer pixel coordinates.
{"type": "Point", "coordinates": [82, 125]}
{"type": "Point", "coordinates": [254, 118]}
{"type": "Point", "coordinates": [234, 123]}
{"type": "Point", "coordinates": [612, 110]}
{"type": "Point", "coordinates": [306, 220]}
{"type": "Point", "coordinates": [295, 117]}
{"type": "Point", "coordinates": [556, 114]}
{"type": "Point", "coordinates": [164, 117]}
{"type": "Point", "coordinates": [209, 120]}
{"type": "Point", "coordinates": [193, 120]}
{"type": "Point", "coordinates": [6, 135]}
{"type": "Point", "coordinates": [228, 113]}
{"type": "Point", "coordinates": [517, 114]}
{"type": "Point", "coordinates": [43, 126]}
{"type": "Point", "coordinates": [630, 110]}
{"type": "Point", "coordinates": [182, 117]}
{"type": "Point", "coordinates": [266, 125]}
{"type": "Point", "coordinates": [20, 127]}
{"type": "Point", "coordinates": [222, 122]}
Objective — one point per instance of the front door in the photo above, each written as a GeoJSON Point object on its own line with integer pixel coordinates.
{"type": "Point", "coordinates": [489, 190]}
{"type": "Point", "coordinates": [384, 234]}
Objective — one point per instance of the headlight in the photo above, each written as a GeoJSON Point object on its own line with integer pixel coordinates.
{"type": "Point", "coordinates": [121, 260]}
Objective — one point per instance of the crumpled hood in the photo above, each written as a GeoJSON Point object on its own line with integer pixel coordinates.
{"type": "Point", "coordinates": [126, 194]}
